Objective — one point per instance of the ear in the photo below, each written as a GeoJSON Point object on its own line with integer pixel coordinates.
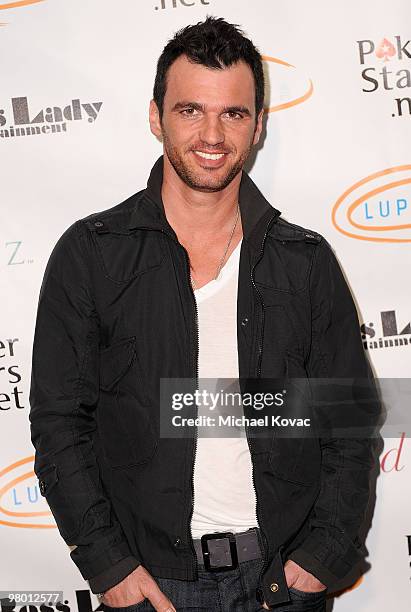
{"type": "Point", "coordinates": [258, 127]}
{"type": "Point", "coordinates": [154, 118]}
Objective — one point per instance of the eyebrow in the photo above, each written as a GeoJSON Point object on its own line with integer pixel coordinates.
{"type": "Point", "coordinates": [201, 107]}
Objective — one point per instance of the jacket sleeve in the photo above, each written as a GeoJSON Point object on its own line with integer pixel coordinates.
{"type": "Point", "coordinates": [334, 544]}
{"type": "Point", "coordinates": [64, 392]}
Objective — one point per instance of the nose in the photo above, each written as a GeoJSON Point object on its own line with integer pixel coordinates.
{"type": "Point", "coordinates": [211, 131]}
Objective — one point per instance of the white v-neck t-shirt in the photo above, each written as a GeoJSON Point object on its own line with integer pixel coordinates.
{"type": "Point", "coordinates": [224, 495]}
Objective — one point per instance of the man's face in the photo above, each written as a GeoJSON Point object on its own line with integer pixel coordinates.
{"type": "Point", "coordinates": [208, 126]}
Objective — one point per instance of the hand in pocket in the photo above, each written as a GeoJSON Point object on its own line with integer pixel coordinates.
{"type": "Point", "coordinates": [134, 589]}
{"type": "Point", "coordinates": [298, 578]}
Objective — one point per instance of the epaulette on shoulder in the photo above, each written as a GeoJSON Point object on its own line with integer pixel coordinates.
{"type": "Point", "coordinates": [286, 229]}
{"type": "Point", "coordinates": [101, 220]}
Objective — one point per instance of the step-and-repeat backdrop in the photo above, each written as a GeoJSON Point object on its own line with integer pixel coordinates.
{"type": "Point", "coordinates": [76, 81]}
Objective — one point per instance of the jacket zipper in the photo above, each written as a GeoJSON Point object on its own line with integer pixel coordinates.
{"type": "Point", "coordinates": [260, 351]}
{"type": "Point", "coordinates": [195, 360]}
{"type": "Point", "coordinates": [260, 344]}
{"type": "Point", "coordinates": [196, 351]}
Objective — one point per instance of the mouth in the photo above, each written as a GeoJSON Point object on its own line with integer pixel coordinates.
{"type": "Point", "coordinates": [210, 160]}
{"type": "Point", "coordinates": [209, 155]}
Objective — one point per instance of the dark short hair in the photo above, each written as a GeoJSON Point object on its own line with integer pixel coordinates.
{"type": "Point", "coordinates": [213, 43]}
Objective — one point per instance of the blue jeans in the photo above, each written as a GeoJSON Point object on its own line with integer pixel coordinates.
{"type": "Point", "coordinates": [226, 591]}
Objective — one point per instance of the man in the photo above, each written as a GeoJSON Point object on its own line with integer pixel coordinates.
{"type": "Point", "coordinates": [195, 275]}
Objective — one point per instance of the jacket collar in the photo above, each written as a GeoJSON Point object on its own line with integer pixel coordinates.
{"type": "Point", "coordinates": [255, 210]}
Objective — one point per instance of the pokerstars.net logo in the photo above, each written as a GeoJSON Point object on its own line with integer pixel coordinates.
{"type": "Point", "coordinates": [385, 67]}
{"type": "Point", "coordinates": [23, 119]}
{"type": "Point", "coordinates": [12, 382]}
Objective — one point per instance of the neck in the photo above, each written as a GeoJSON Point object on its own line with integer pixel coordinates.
{"type": "Point", "coordinates": [194, 213]}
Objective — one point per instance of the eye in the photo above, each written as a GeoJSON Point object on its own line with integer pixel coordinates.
{"type": "Point", "coordinates": [234, 115]}
{"type": "Point", "coordinates": [189, 112]}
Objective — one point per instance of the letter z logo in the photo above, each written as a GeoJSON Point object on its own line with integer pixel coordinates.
{"type": "Point", "coordinates": [11, 261]}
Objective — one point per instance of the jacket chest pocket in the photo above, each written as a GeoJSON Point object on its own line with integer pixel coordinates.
{"type": "Point", "coordinates": [284, 333]}
{"type": "Point", "coordinates": [124, 257]}
{"type": "Point", "coordinates": [126, 423]}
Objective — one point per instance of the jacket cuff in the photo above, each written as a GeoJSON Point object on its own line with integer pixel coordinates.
{"type": "Point", "coordinates": [113, 575]}
{"type": "Point", "coordinates": [327, 563]}
{"type": "Point", "coordinates": [312, 565]}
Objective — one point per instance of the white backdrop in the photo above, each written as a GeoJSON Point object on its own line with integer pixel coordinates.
{"type": "Point", "coordinates": [77, 78]}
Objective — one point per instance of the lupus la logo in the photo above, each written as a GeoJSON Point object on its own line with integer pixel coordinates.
{"type": "Point", "coordinates": [49, 120]}
{"type": "Point", "coordinates": [377, 207]}
{"type": "Point", "coordinates": [21, 503]}
{"type": "Point", "coordinates": [382, 69]}
{"type": "Point", "coordinates": [388, 334]}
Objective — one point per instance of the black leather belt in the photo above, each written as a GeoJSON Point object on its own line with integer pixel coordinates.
{"type": "Point", "coordinates": [224, 550]}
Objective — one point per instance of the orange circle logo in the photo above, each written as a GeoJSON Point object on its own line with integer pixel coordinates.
{"type": "Point", "coordinates": [376, 208]}
{"type": "Point", "coordinates": [19, 494]}
{"type": "Point", "coordinates": [295, 88]}
{"type": "Point", "coordinates": [10, 5]}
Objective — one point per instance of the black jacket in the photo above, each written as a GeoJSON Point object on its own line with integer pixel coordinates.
{"type": "Point", "coordinates": [116, 313]}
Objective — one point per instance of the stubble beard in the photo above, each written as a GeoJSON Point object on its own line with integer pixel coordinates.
{"type": "Point", "coordinates": [193, 179]}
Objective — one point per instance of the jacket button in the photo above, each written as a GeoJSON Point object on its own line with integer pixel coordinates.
{"type": "Point", "coordinates": [177, 542]}
{"type": "Point", "coordinates": [42, 486]}
{"type": "Point", "coordinates": [98, 224]}
{"type": "Point", "coordinates": [244, 321]}
{"type": "Point", "coordinates": [274, 587]}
